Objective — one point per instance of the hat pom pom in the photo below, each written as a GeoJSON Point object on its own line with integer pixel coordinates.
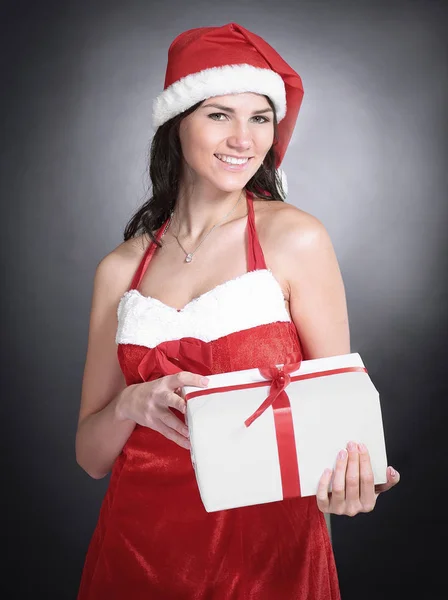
{"type": "Point", "coordinates": [283, 181]}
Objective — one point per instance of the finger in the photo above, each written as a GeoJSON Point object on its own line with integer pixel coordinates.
{"type": "Point", "coordinates": [338, 486]}
{"type": "Point", "coordinates": [173, 422]}
{"type": "Point", "coordinates": [166, 398]}
{"type": "Point", "coordinates": [175, 401]}
{"type": "Point", "coordinates": [183, 378]}
{"type": "Point", "coordinates": [393, 477]}
{"type": "Point", "coordinates": [323, 501]}
{"type": "Point", "coordinates": [367, 493]}
{"type": "Point", "coordinates": [352, 475]}
{"type": "Point", "coordinates": [173, 435]}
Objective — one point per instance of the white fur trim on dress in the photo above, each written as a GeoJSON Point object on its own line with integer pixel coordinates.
{"type": "Point", "coordinates": [250, 300]}
{"type": "Point", "coordinates": [219, 81]}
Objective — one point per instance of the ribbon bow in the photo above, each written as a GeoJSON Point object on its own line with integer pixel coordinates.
{"type": "Point", "coordinates": [168, 358]}
{"type": "Point", "coordinates": [281, 378]}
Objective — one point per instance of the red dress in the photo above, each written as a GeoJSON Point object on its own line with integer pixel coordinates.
{"type": "Point", "coordinates": [154, 538]}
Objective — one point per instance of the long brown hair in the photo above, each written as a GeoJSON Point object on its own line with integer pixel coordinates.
{"type": "Point", "coordinates": [164, 171]}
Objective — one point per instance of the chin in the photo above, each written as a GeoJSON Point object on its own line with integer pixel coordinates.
{"type": "Point", "coordinates": [230, 184]}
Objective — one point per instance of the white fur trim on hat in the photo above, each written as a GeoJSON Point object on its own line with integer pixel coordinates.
{"type": "Point", "coordinates": [219, 81]}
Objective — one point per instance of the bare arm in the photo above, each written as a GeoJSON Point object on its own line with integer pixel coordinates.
{"type": "Point", "coordinates": [317, 295]}
{"type": "Point", "coordinates": [301, 255]}
{"type": "Point", "coordinates": [102, 432]}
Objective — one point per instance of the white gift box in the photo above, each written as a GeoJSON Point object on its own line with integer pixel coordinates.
{"type": "Point", "coordinates": [285, 450]}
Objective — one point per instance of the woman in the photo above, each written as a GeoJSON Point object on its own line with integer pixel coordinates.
{"type": "Point", "coordinates": [197, 277]}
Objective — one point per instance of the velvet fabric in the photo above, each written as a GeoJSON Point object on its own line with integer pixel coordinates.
{"type": "Point", "coordinates": [154, 538]}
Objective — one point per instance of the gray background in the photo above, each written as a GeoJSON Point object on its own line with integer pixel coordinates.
{"type": "Point", "coordinates": [368, 158]}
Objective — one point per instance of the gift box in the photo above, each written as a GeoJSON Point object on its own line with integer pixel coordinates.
{"type": "Point", "coordinates": [260, 436]}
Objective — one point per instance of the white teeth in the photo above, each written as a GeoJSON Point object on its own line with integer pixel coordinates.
{"type": "Point", "coordinates": [231, 160]}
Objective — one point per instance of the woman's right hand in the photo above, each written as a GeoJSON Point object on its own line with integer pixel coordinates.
{"type": "Point", "coordinates": [148, 404]}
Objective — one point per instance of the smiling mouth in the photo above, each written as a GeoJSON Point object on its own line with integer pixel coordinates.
{"type": "Point", "coordinates": [230, 160]}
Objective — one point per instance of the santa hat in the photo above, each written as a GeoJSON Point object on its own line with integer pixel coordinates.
{"type": "Point", "coordinates": [216, 61]}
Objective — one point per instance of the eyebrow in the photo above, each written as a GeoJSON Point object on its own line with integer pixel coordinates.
{"type": "Point", "coordinates": [231, 110]}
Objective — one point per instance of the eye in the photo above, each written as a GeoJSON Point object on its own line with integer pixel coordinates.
{"type": "Point", "coordinates": [215, 116]}
{"type": "Point", "coordinates": [263, 119]}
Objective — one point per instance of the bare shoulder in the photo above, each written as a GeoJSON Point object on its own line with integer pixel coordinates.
{"type": "Point", "coordinates": [284, 228]}
{"type": "Point", "coordinates": [114, 272]}
{"type": "Point", "coordinates": [299, 252]}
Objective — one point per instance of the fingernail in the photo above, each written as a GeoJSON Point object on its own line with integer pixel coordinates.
{"type": "Point", "coordinates": [342, 453]}
{"type": "Point", "coordinates": [328, 472]}
{"type": "Point", "coordinates": [362, 448]}
{"type": "Point", "coordinates": [352, 447]}
{"type": "Point", "coordinates": [205, 381]}
{"type": "Point", "coordinates": [393, 472]}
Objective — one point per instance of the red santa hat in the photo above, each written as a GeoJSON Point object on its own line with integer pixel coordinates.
{"type": "Point", "coordinates": [216, 61]}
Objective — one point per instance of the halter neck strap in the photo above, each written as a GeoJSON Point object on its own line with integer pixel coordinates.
{"type": "Point", "coordinates": [255, 256]}
{"type": "Point", "coordinates": [152, 246]}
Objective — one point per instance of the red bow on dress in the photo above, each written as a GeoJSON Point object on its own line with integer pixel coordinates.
{"type": "Point", "coordinates": [168, 358]}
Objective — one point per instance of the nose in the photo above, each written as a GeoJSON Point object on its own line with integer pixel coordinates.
{"type": "Point", "coordinates": [240, 138]}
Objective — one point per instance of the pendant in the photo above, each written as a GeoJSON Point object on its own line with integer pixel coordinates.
{"type": "Point", "coordinates": [188, 258]}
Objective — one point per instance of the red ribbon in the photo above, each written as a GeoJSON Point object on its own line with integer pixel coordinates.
{"type": "Point", "coordinates": [174, 356]}
{"type": "Point", "coordinates": [284, 428]}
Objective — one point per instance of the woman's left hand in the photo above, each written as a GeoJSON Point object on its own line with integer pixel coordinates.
{"type": "Point", "coordinates": [353, 489]}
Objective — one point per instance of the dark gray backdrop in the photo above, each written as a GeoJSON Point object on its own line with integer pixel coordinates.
{"type": "Point", "coordinates": [368, 158]}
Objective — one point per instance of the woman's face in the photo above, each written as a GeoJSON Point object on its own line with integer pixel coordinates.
{"type": "Point", "coordinates": [225, 140]}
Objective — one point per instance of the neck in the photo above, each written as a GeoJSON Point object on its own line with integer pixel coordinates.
{"type": "Point", "coordinates": [198, 210]}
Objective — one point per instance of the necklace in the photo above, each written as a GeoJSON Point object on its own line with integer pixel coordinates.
{"type": "Point", "coordinates": [189, 255]}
